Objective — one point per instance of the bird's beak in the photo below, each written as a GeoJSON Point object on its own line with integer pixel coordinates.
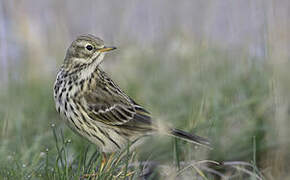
{"type": "Point", "coordinates": [105, 49]}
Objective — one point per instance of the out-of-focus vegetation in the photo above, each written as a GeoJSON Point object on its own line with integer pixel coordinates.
{"type": "Point", "coordinates": [217, 69]}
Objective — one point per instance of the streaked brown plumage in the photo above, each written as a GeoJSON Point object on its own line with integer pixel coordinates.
{"type": "Point", "coordinates": [95, 107]}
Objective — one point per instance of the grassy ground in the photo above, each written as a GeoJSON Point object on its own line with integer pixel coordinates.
{"type": "Point", "coordinates": [228, 98]}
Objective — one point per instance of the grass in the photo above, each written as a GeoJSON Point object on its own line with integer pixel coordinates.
{"type": "Point", "coordinates": [206, 91]}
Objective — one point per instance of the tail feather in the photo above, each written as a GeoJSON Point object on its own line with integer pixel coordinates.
{"type": "Point", "coordinates": [190, 137]}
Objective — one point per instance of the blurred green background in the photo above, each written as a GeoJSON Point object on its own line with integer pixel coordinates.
{"type": "Point", "coordinates": [216, 68]}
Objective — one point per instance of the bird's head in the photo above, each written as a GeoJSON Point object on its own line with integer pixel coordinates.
{"type": "Point", "coordinates": [86, 50]}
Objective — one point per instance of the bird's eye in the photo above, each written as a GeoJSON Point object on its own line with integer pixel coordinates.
{"type": "Point", "coordinates": [89, 47]}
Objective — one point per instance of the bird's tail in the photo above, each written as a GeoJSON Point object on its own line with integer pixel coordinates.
{"type": "Point", "coordinates": [189, 137]}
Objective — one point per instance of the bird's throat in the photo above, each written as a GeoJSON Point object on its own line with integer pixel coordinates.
{"type": "Point", "coordinates": [91, 68]}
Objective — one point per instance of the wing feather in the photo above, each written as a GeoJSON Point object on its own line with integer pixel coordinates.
{"type": "Point", "coordinates": [107, 103]}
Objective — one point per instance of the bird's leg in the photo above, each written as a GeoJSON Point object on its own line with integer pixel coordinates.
{"type": "Point", "coordinates": [104, 161]}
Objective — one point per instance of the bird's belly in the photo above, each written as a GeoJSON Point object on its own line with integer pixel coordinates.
{"type": "Point", "coordinates": [106, 138]}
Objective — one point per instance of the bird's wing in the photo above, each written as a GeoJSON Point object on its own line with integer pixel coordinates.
{"type": "Point", "coordinates": [107, 103]}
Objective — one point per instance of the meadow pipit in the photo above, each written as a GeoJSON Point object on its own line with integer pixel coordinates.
{"type": "Point", "coordinates": [95, 107]}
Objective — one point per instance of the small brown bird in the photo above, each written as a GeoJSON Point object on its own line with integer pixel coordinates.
{"type": "Point", "coordinates": [95, 107]}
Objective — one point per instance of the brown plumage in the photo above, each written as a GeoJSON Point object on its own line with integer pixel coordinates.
{"type": "Point", "coordinates": [95, 107]}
